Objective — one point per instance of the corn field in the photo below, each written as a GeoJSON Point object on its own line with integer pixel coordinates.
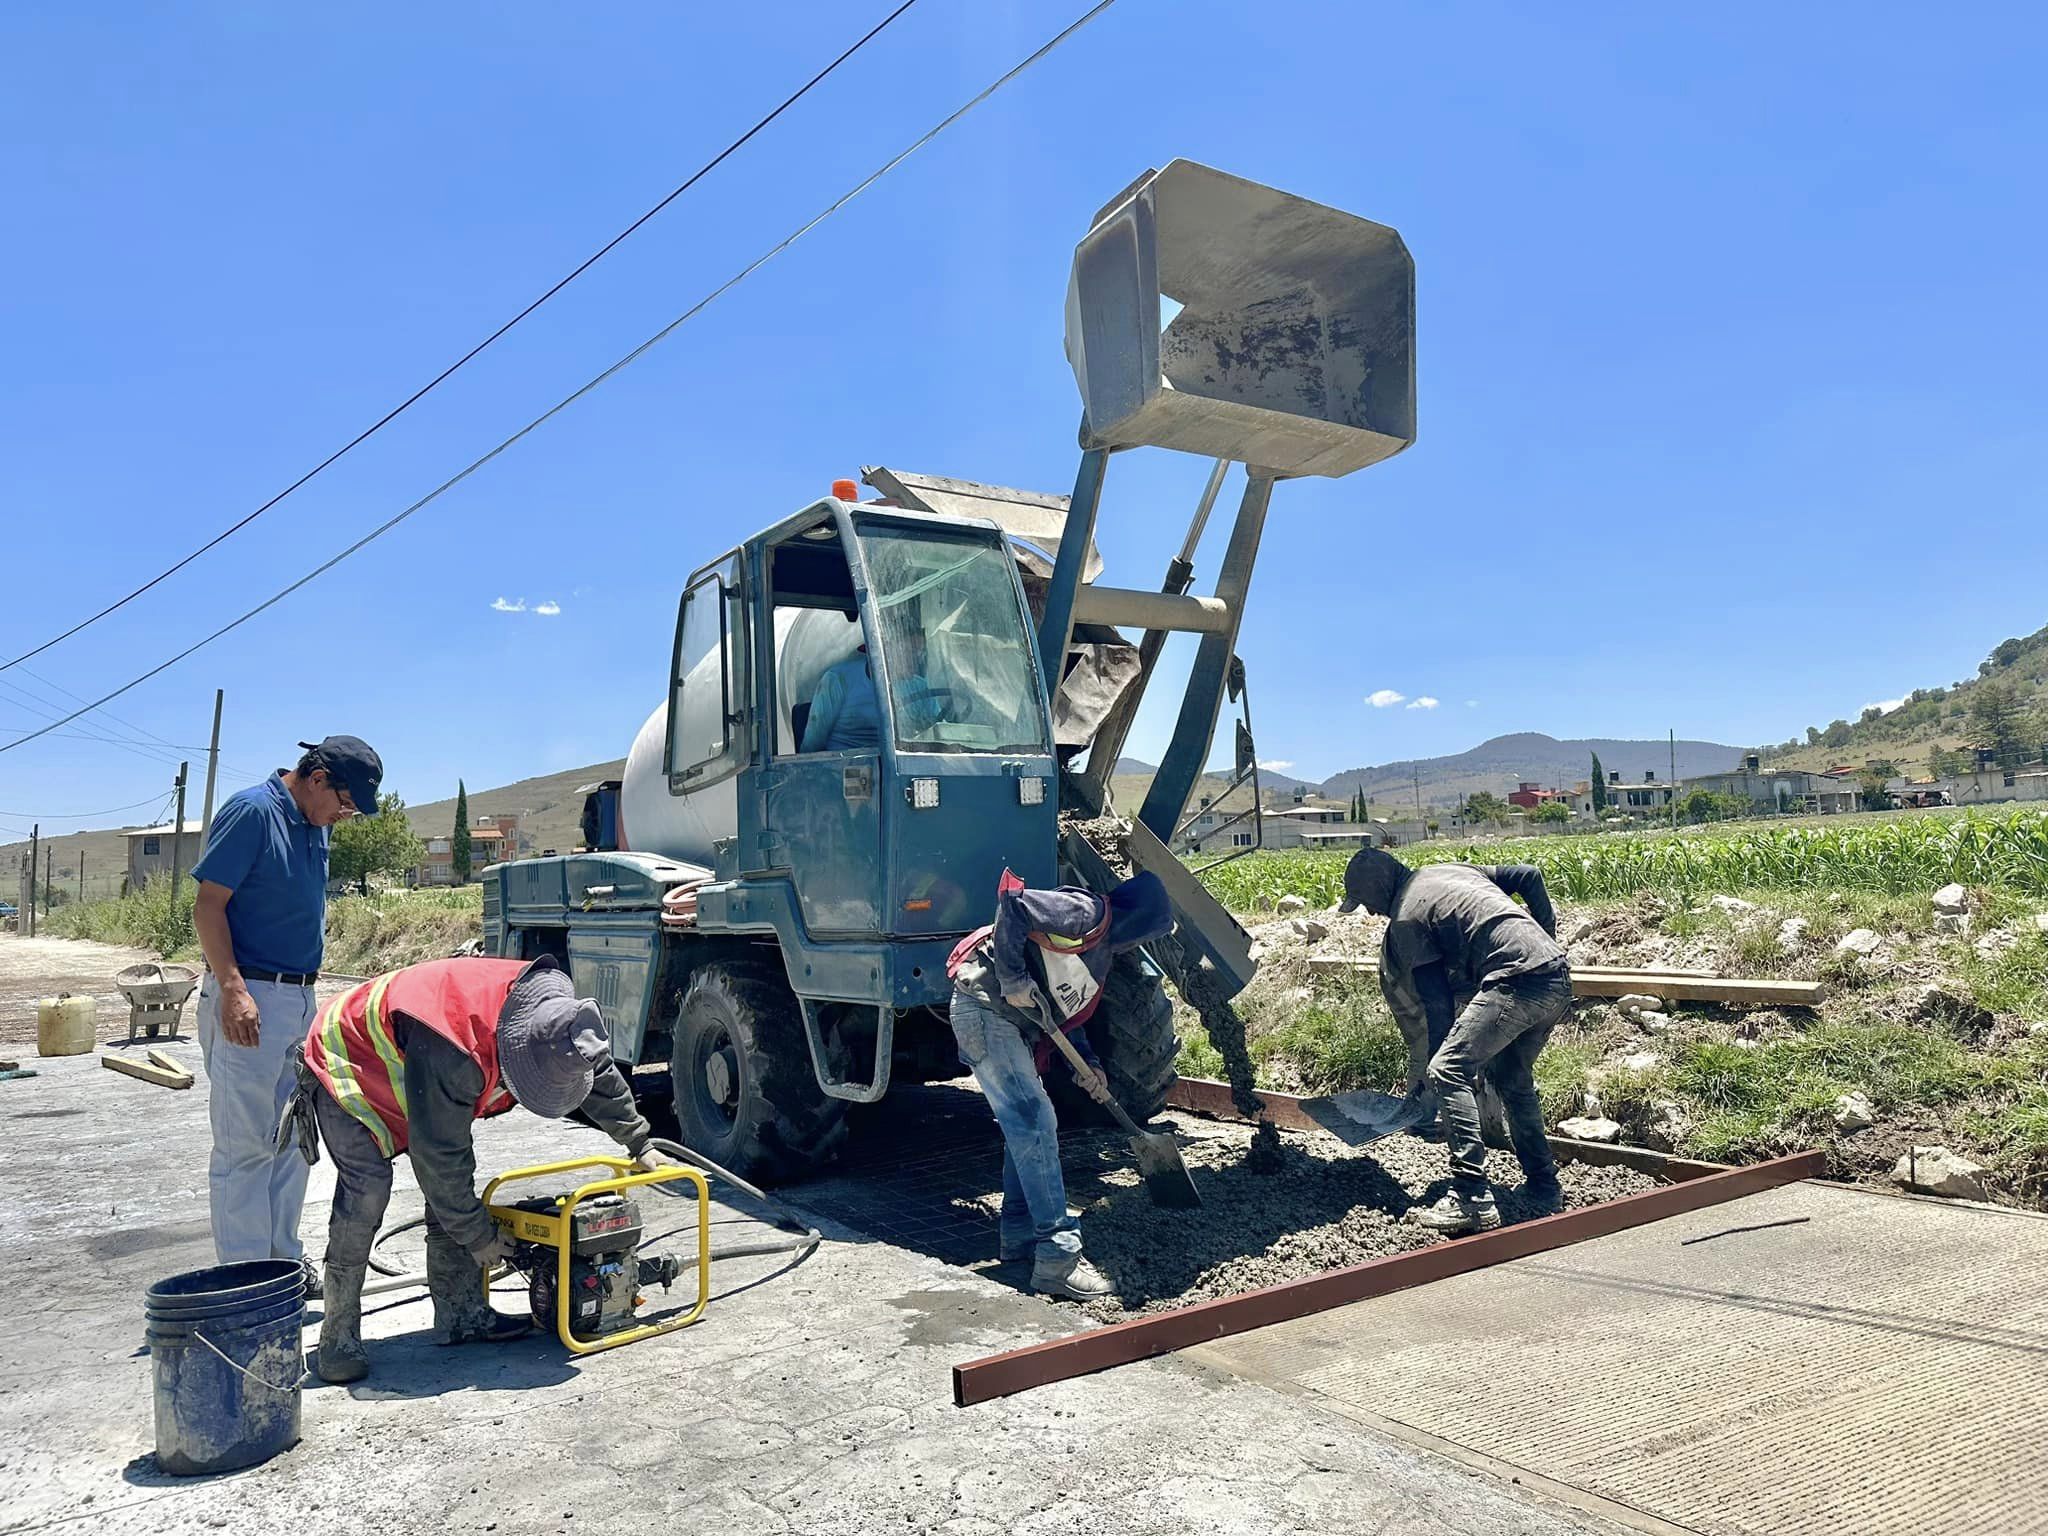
{"type": "Point", "coordinates": [1889, 857]}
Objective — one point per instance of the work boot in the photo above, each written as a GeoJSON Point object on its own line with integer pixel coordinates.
{"type": "Point", "coordinates": [463, 1313]}
{"type": "Point", "coordinates": [1070, 1276]}
{"type": "Point", "coordinates": [342, 1358]}
{"type": "Point", "coordinates": [1546, 1196]}
{"type": "Point", "coordinates": [1459, 1212]}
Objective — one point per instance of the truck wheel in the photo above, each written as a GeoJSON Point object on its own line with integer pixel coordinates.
{"type": "Point", "coordinates": [745, 1095]}
{"type": "Point", "coordinates": [1132, 1033]}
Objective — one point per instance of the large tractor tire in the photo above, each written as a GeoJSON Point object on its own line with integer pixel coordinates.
{"type": "Point", "coordinates": [1132, 1033]}
{"type": "Point", "coordinates": [745, 1094]}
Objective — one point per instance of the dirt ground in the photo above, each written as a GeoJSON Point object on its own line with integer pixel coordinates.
{"type": "Point", "coordinates": [31, 969]}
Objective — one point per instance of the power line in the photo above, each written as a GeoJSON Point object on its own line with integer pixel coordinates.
{"type": "Point", "coordinates": [623, 363]}
{"type": "Point", "coordinates": [156, 750]}
{"type": "Point", "coordinates": [417, 395]}
{"type": "Point", "coordinates": [78, 815]}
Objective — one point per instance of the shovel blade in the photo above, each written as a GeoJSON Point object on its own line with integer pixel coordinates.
{"type": "Point", "coordinates": [1166, 1177]}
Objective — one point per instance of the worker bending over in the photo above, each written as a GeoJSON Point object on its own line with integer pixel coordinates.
{"type": "Point", "coordinates": [1046, 950]}
{"type": "Point", "coordinates": [1477, 983]}
{"type": "Point", "coordinates": [408, 1063]}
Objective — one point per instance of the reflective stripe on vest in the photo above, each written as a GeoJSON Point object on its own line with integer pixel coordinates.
{"type": "Point", "coordinates": [343, 1079]}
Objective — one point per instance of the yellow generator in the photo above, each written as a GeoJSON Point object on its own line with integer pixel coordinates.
{"type": "Point", "coordinates": [580, 1251]}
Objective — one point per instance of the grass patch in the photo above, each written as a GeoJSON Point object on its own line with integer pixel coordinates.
{"type": "Point", "coordinates": [1343, 1040]}
{"type": "Point", "coordinates": [365, 934]}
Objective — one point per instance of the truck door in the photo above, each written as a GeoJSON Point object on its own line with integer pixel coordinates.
{"type": "Point", "coordinates": [821, 817]}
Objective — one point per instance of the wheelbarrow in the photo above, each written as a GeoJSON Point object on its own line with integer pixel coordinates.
{"type": "Point", "coordinates": [156, 996]}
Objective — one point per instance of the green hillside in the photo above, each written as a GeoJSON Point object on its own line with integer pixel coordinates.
{"type": "Point", "coordinates": [2004, 707]}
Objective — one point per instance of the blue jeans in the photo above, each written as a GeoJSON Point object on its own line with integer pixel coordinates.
{"type": "Point", "coordinates": [1034, 1193]}
{"type": "Point", "coordinates": [1500, 1033]}
{"type": "Point", "coordinates": [255, 1191]}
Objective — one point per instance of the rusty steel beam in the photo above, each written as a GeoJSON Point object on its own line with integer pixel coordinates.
{"type": "Point", "coordinates": [1079, 1354]}
{"type": "Point", "coordinates": [1204, 1096]}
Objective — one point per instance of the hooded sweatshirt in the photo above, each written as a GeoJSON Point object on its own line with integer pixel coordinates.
{"type": "Point", "coordinates": [1002, 957]}
{"type": "Point", "coordinates": [1452, 930]}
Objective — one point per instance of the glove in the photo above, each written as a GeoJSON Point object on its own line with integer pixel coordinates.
{"type": "Point", "coordinates": [498, 1250]}
{"type": "Point", "coordinates": [1024, 999]}
{"type": "Point", "coordinates": [647, 1159]}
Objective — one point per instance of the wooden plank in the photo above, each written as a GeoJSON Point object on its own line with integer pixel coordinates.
{"type": "Point", "coordinates": [1204, 1096]}
{"type": "Point", "coordinates": [1672, 987]}
{"type": "Point", "coordinates": [147, 1071]}
{"type": "Point", "coordinates": [1080, 1354]}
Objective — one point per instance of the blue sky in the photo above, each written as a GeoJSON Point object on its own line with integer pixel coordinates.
{"type": "Point", "coordinates": [1730, 401]}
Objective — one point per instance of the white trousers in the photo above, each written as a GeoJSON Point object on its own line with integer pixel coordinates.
{"type": "Point", "coordinates": [255, 1191]}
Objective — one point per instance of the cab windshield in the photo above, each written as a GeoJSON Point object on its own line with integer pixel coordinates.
{"type": "Point", "coordinates": [954, 647]}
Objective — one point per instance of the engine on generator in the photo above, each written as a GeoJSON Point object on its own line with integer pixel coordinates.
{"type": "Point", "coordinates": [606, 1272]}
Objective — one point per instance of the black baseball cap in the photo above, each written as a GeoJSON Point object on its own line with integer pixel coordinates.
{"type": "Point", "coordinates": [355, 763]}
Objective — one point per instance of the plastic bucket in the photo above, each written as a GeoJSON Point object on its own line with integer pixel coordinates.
{"type": "Point", "coordinates": [226, 1348]}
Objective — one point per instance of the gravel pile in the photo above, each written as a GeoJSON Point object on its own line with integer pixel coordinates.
{"type": "Point", "coordinates": [1324, 1206]}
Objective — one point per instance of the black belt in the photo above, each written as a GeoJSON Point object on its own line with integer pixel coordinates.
{"type": "Point", "coordinates": [282, 978]}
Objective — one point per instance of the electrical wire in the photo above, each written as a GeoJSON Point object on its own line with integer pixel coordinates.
{"type": "Point", "coordinates": [618, 367]}
{"type": "Point", "coordinates": [78, 815]}
{"type": "Point", "coordinates": [419, 394]}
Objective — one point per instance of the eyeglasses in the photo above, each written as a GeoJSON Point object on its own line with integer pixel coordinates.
{"type": "Point", "coordinates": [347, 800]}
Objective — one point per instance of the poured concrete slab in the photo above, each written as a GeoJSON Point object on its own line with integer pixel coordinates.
{"type": "Point", "coordinates": [1876, 1364]}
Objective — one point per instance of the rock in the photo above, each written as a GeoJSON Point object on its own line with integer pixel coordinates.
{"type": "Point", "coordinates": [1587, 1128]}
{"type": "Point", "coordinates": [1732, 905]}
{"type": "Point", "coordinates": [1668, 1126]}
{"type": "Point", "coordinates": [1642, 1061]}
{"type": "Point", "coordinates": [1960, 1016]}
{"type": "Point", "coordinates": [1747, 1042]}
{"type": "Point", "coordinates": [1289, 905]}
{"type": "Point", "coordinates": [1651, 1022]}
{"type": "Point", "coordinates": [1298, 926]}
{"type": "Point", "coordinates": [1863, 942]}
{"type": "Point", "coordinates": [2041, 921]}
{"type": "Point", "coordinates": [1853, 1112]}
{"type": "Point", "coordinates": [1938, 1171]}
{"type": "Point", "coordinates": [1952, 922]}
{"type": "Point", "coordinates": [1638, 1002]}
{"type": "Point", "coordinates": [1792, 935]}
{"type": "Point", "coordinates": [1313, 930]}
{"type": "Point", "coordinates": [1952, 898]}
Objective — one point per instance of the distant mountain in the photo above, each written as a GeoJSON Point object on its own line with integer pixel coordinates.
{"type": "Point", "coordinates": [1497, 765]}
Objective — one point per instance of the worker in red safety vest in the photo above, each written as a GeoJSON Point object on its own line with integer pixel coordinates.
{"type": "Point", "coordinates": [1047, 955]}
{"type": "Point", "coordinates": [407, 1063]}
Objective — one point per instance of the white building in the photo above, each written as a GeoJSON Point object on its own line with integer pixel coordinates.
{"type": "Point", "coordinates": [150, 850]}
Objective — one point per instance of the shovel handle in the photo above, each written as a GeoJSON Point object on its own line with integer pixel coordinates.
{"type": "Point", "coordinates": [1091, 1081]}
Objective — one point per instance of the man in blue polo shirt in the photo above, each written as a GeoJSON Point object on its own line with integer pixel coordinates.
{"type": "Point", "coordinates": [262, 922]}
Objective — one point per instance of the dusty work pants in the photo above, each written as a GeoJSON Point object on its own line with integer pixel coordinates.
{"type": "Point", "coordinates": [362, 1183]}
{"type": "Point", "coordinates": [1034, 1219]}
{"type": "Point", "coordinates": [255, 1191]}
{"type": "Point", "coordinates": [1501, 1033]}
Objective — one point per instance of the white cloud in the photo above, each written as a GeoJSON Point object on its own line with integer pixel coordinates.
{"type": "Point", "coordinates": [501, 606]}
{"type": "Point", "coordinates": [1278, 765]}
{"type": "Point", "coordinates": [1471, 703]}
{"type": "Point", "coordinates": [1384, 698]}
{"type": "Point", "coordinates": [1425, 702]}
{"type": "Point", "coordinates": [548, 609]}
{"type": "Point", "coordinates": [1884, 706]}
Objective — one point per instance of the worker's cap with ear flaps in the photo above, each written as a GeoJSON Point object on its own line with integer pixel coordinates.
{"type": "Point", "coordinates": [1139, 911]}
{"type": "Point", "coordinates": [551, 1042]}
{"type": "Point", "coordinates": [1372, 880]}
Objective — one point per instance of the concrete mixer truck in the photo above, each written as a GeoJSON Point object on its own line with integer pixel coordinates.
{"type": "Point", "coordinates": [771, 915]}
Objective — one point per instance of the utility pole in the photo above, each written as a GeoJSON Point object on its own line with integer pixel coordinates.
{"type": "Point", "coordinates": [1674, 781]}
{"type": "Point", "coordinates": [35, 838]}
{"type": "Point", "coordinates": [81, 875]}
{"type": "Point", "coordinates": [49, 875]}
{"type": "Point", "coordinates": [212, 769]}
{"type": "Point", "coordinates": [1421, 826]}
{"type": "Point", "coordinates": [177, 836]}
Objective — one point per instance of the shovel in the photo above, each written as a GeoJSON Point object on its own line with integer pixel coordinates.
{"type": "Point", "coordinates": [1166, 1176]}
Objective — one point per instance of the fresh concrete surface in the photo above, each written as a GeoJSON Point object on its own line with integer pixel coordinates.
{"type": "Point", "coordinates": [809, 1399]}
{"type": "Point", "coordinates": [1878, 1364]}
